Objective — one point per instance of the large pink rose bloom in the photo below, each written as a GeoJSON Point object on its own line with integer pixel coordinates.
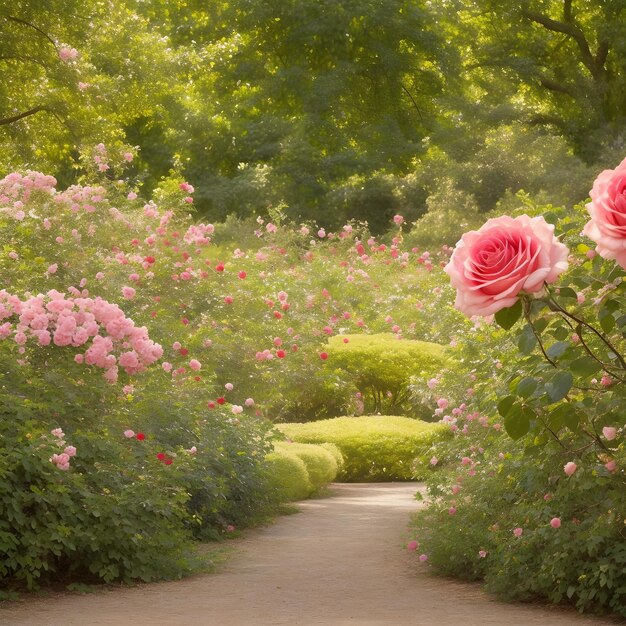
{"type": "Point", "coordinates": [607, 208]}
{"type": "Point", "coordinates": [491, 266]}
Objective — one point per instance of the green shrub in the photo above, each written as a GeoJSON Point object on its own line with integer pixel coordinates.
{"type": "Point", "coordinates": [375, 448]}
{"type": "Point", "coordinates": [113, 524]}
{"type": "Point", "coordinates": [321, 464]}
{"type": "Point", "coordinates": [336, 452]}
{"type": "Point", "coordinates": [382, 365]}
{"type": "Point", "coordinates": [288, 476]}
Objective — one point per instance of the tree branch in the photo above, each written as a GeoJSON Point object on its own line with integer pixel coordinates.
{"type": "Point", "coordinates": [15, 118]}
{"type": "Point", "coordinates": [541, 120]}
{"type": "Point", "coordinates": [570, 28]}
{"type": "Point", "coordinates": [552, 85]}
{"type": "Point", "coordinates": [408, 93]}
{"type": "Point", "coordinates": [25, 23]}
{"type": "Point", "coordinates": [601, 53]}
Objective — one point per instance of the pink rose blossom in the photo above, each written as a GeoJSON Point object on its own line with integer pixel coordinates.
{"type": "Point", "coordinates": [129, 434]}
{"type": "Point", "coordinates": [555, 522]}
{"type": "Point", "coordinates": [67, 54]}
{"type": "Point", "coordinates": [569, 468]}
{"type": "Point", "coordinates": [518, 532]}
{"type": "Point", "coordinates": [611, 466]}
{"type": "Point", "coordinates": [609, 432]}
{"type": "Point", "coordinates": [423, 558]}
{"type": "Point", "coordinates": [412, 546]}
{"type": "Point", "coordinates": [607, 226]}
{"type": "Point", "coordinates": [482, 553]}
{"type": "Point", "coordinates": [491, 266]}
{"type": "Point", "coordinates": [195, 365]}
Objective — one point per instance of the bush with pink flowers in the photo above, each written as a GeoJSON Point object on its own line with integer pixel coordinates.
{"type": "Point", "coordinates": [530, 493]}
{"type": "Point", "coordinates": [169, 346]}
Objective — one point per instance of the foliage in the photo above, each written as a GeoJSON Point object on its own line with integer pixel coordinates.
{"type": "Point", "coordinates": [537, 513]}
{"type": "Point", "coordinates": [288, 476]}
{"type": "Point", "coordinates": [375, 448]}
{"type": "Point", "coordinates": [320, 462]}
{"type": "Point", "coordinates": [381, 365]}
{"type": "Point", "coordinates": [504, 49]}
{"type": "Point", "coordinates": [329, 111]}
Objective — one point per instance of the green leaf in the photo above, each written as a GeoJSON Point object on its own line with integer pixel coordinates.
{"type": "Point", "coordinates": [564, 415]}
{"type": "Point", "coordinates": [504, 406]}
{"type": "Point", "coordinates": [527, 340]}
{"type": "Point", "coordinates": [506, 318]}
{"type": "Point", "coordinates": [561, 333]}
{"type": "Point", "coordinates": [557, 349]}
{"type": "Point", "coordinates": [607, 321]}
{"type": "Point", "coordinates": [559, 386]}
{"type": "Point", "coordinates": [517, 422]}
{"type": "Point", "coordinates": [585, 366]}
{"type": "Point", "coordinates": [526, 387]}
{"type": "Point", "coordinates": [568, 292]}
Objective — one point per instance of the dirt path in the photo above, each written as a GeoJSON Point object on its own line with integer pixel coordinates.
{"type": "Point", "coordinates": [340, 561]}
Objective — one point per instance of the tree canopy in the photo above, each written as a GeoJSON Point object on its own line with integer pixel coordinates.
{"type": "Point", "coordinates": [315, 110]}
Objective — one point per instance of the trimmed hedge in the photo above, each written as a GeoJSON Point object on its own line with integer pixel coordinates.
{"type": "Point", "coordinates": [375, 448]}
{"type": "Point", "coordinates": [381, 367]}
{"type": "Point", "coordinates": [288, 477]}
{"type": "Point", "coordinates": [298, 470]}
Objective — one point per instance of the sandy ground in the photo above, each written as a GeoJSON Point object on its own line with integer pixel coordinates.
{"type": "Point", "coordinates": [340, 561]}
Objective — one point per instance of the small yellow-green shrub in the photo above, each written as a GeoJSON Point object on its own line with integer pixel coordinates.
{"type": "Point", "coordinates": [288, 476]}
{"type": "Point", "coordinates": [299, 469]}
{"type": "Point", "coordinates": [381, 367]}
{"type": "Point", "coordinates": [374, 448]}
{"type": "Point", "coordinates": [320, 463]}
{"type": "Point", "coordinates": [336, 452]}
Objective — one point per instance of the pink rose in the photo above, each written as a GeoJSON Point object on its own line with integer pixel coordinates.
{"type": "Point", "coordinates": [609, 432]}
{"type": "Point", "coordinates": [491, 266]}
{"type": "Point", "coordinates": [570, 468]}
{"type": "Point", "coordinates": [607, 208]}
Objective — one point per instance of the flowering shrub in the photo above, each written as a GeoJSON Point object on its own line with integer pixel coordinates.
{"type": "Point", "coordinates": [203, 333]}
{"type": "Point", "coordinates": [539, 513]}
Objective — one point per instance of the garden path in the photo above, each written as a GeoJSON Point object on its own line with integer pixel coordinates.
{"type": "Point", "coordinates": [340, 561]}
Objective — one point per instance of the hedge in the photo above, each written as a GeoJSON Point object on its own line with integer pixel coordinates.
{"type": "Point", "coordinates": [375, 448]}
{"type": "Point", "coordinates": [298, 470]}
{"type": "Point", "coordinates": [381, 367]}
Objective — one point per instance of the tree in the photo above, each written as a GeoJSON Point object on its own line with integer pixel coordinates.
{"type": "Point", "coordinates": [557, 63]}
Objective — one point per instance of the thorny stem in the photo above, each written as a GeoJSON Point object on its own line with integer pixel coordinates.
{"type": "Point", "coordinates": [526, 306]}
{"type": "Point", "coordinates": [588, 350]}
{"type": "Point", "coordinates": [594, 330]}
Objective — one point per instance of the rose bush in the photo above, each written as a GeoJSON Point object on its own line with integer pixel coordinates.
{"type": "Point", "coordinates": [205, 334]}
{"type": "Point", "coordinates": [537, 514]}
